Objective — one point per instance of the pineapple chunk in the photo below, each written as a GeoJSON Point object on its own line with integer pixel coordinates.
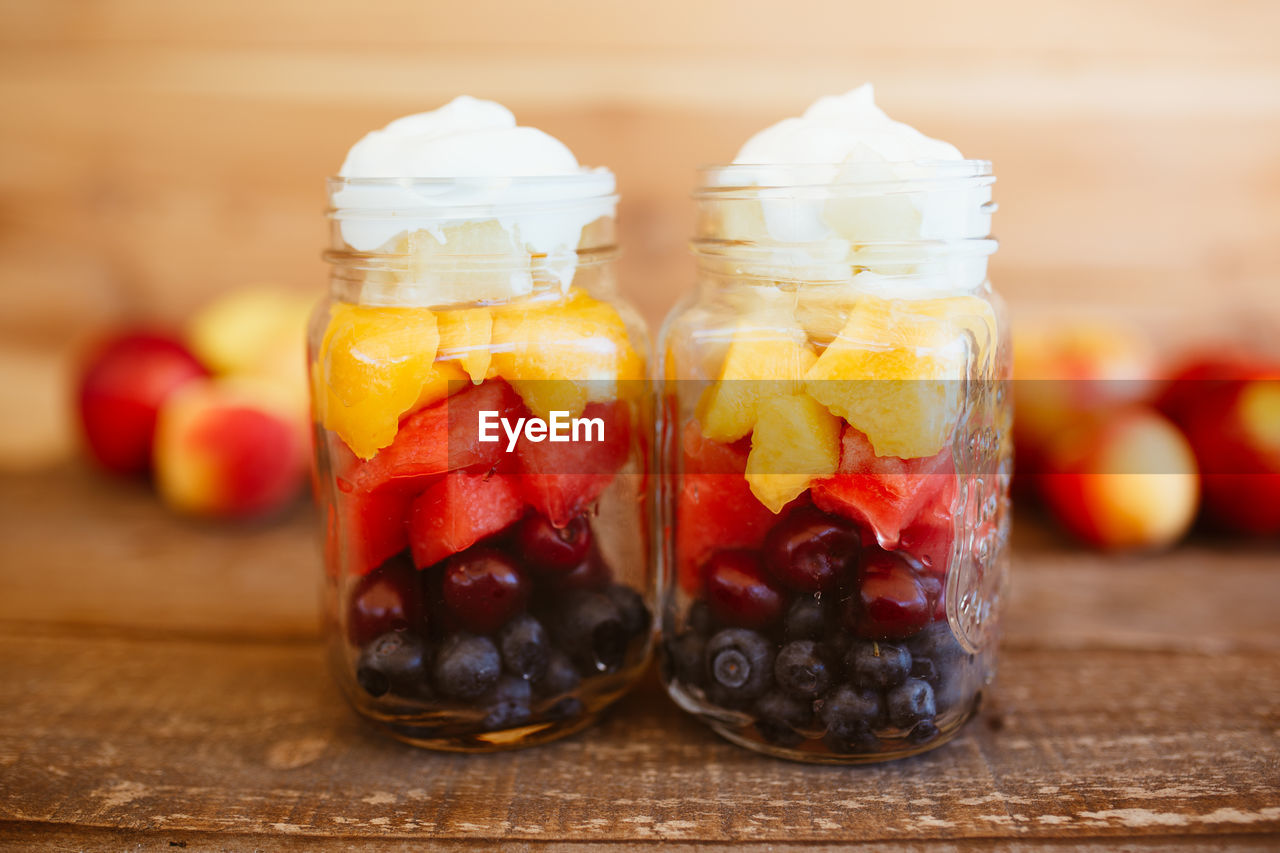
{"type": "Point", "coordinates": [561, 355]}
{"type": "Point", "coordinates": [795, 442]}
{"type": "Point", "coordinates": [465, 335]}
{"type": "Point", "coordinates": [762, 363]}
{"type": "Point", "coordinates": [373, 365]}
{"type": "Point", "coordinates": [894, 373]}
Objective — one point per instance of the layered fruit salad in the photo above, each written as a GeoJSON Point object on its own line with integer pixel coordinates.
{"type": "Point", "coordinates": [482, 433]}
{"type": "Point", "coordinates": [838, 435]}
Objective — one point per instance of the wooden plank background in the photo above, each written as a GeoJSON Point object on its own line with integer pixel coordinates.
{"type": "Point", "coordinates": [152, 154]}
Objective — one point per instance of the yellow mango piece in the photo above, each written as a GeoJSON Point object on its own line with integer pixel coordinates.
{"type": "Point", "coordinates": [796, 440]}
{"type": "Point", "coordinates": [561, 355]}
{"type": "Point", "coordinates": [894, 372]}
{"type": "Point", "coordinates": [374, 363]}
{"type": "Point", "coordinates": [465, 335]}
{"type": "Point", "coordinates": [762, 363]}
{"type": "Point", "coordinates": [446, 378]}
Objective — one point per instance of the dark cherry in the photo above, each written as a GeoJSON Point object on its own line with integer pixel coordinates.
{"type": "Point", "coordinates": [890, 603]}
{"type": "Point", "coordinates": [811, 551]}
{"type": "Point", "coordinates": [548, 549]}
{"type": "Point", "coordinates": [739, 591]}
{"type": "Point", "coordinates": [483, 588]}
{"type": "Point", "coordinates": [387, 599]}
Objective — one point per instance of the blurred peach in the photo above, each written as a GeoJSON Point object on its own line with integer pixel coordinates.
{"type": "Point", "coordinates": [1069, 368]}
{"type": "Point", "coordinates": [230, 448]}
{"type": "Point", "coordinates": [1122, 479]}
{"type": "Point", "coordinates": [258, 331]}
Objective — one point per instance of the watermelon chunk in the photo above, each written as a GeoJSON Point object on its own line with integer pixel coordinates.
{"type": "Point", "coordinates": [884, 493]}
{"type": "Point", "coordinates": [459, 510]}
{"type": "Point", "coordinates": [715, 508]}
{"type": "Point", "coordinates": [562, 479]}
{"type": "Point", "coordinates": [441, 437]}
{"type": "Point", "coordinates": [370, 527]}
{"type": "Point", "coordinates": [930, 535]}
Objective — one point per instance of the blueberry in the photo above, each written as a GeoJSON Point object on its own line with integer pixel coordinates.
{"type": "Point", "coordinates": [800, 669]}
{"type": "Point", "coordinates": [923, 732]}
{"type": "Point", "coordinates": [635, 616]}
{"type": "Point", "coordinates": [925, 670]}
{"type": "Point", "coordinates": [685, 656]}
{"type": "Point", "coordinates": [850, 715]}
{"type": "Point", "coordinates": [838, 643]}
{"type": "Point", "coordinates": [589, 628]}
{"type": "Point", "coordinates": [393, 663]}
{"type": "Point", "coordinates": [804, 620]}
{"type": "Point", "coordinates": [567, 708]}
{"type": "Point", "coordinates": [525, 647]}
{"type": "Point", "coordinates": [951, 670]}
{"type": "Point", "coordinates": [507, 703]}
{"type": "Point", "coordinates": [857, 738]}
{"type": "Point", "coordinates": [779, 715]}
{"type": "Point", "coordinates": [699, 618]}
{"type": "Point", "coordinates": [878, 665]}
{"type": "Point", "coordinates": [740, 662]}
{"type": "Point", "coordinates": [910, 702]}
{"type": "Point", "coordinates": [467, 666]}
{"type": "Point", "coordinates": [559, 675]}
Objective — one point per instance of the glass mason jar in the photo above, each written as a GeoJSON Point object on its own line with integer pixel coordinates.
{"type": "Point", "coordinates": [835, 434]}
{"type": "Point", "coordinates": [482, 444]}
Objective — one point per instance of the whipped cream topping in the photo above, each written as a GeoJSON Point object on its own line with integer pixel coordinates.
{"type": "Point", "coordinates": [526, 180]}
{"type": "Point", "coordinates": [846, 140]}
{"type": "Point", "coordinates": [843, 129]}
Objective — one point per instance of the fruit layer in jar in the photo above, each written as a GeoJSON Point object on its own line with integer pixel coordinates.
{"type": "Point", "coordinates": [486, 590]}
{"type": "Point", "coordinates": [815, 521]}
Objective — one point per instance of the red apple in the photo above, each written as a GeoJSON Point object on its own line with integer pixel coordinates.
{"type": "Point", "coordinates": [1124, 479]}
{"type": "Point", "coordinates": [123, 383]}
{"type": "Point", "coordinates": [230, 448]}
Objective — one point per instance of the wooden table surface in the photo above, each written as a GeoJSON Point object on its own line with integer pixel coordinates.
{"type": "Point", "coordinates": [161, 685]}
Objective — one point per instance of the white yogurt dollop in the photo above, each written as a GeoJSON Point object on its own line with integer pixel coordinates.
{"type": "Point", "coordinates": [480, 143]}
{"type": "Point", "coordinates": [842, 129]}
{"type": "Point", "coordinates": [847, 139]}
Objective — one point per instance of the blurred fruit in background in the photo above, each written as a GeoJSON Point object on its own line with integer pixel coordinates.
{"type": "Point", "coordinates": [1124, 453]}
{"type": "Point", "coordinates": [1068, 368]}
{"type": "Point", "coordinates": [125, 381]}
{"type": "Point", "coordinates": [218, 416]}
{"type": "Point", "coordinates": [230, 447]}
{"type": "Point", "coordinates": [1230, 411]}
{"type": "Point", "coordinates": [1122, 479]}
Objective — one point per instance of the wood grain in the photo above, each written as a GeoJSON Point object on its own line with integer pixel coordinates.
{"type": "Point", "coordinates": [165, 685]}
{"type": "Point", "coordinates": [251, 738]}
